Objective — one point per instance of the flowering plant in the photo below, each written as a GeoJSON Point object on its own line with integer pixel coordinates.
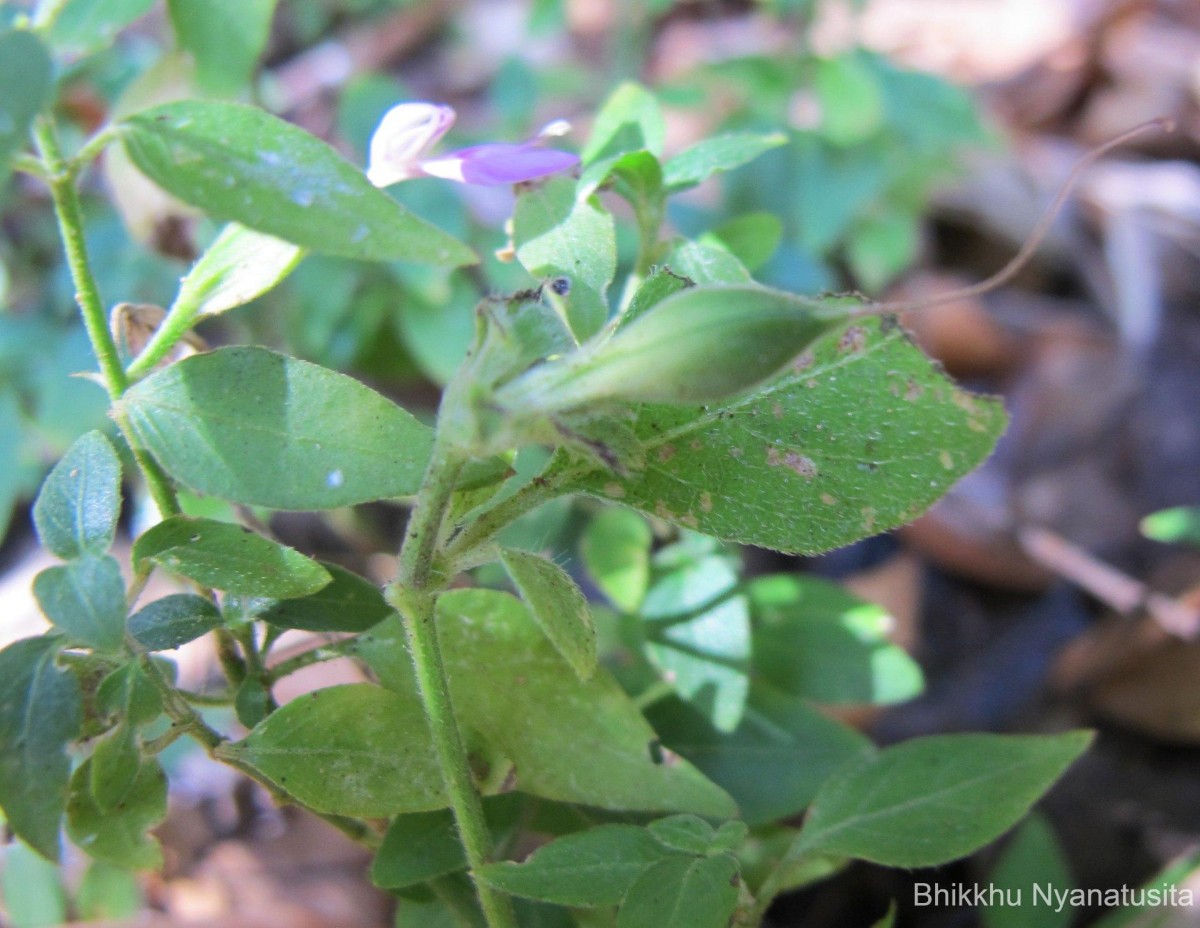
{"type": "Point", "coordinates": [658, 740]}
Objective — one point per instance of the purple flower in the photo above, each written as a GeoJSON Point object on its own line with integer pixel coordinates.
{"type": "Point", "coordinates": [409, 130]}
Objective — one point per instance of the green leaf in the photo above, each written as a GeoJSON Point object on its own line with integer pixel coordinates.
{"type": "Point", "coordinates": [1033, 856]}
{"type": "Point", "coordinates": [258, 428]}
{"type": "Point", "coordinates": [662, 283]}
{"type": "Point", "coordinates": [86, 599]}
{"type": "Point", "coordinates": [588, 868]}
{"type": "Point", "coordinates": [882, 246]}
{"type": "Point", "coordinates": [173, 621]}
{"type": "Point", "coordinates": [417, 847]}
{"type": "Point", "coordinates": [240, 164]}
{"type": "Point", "coordinates": [616, 552]}
{"type": "Point", "coordinates": [851, 99]}
{"type": "Point", "coordinates": [40, 714]}
{"type": "Point", "coordinates": [108, 892]}
{"type": "Point", "coordinates": [531, 709]}
{"type": "Point", "coordinates": [774, 762]}
{"type": "Point", "coordinates": [856, 437]}
{"type": "Point", "coordinates": [707, 263]}
{"type": "Point", "coordinates": [253, 701]}
{"type": "Point", "coordinates": [1180, 525]}
{"type": "Point", "coordinates": [230, 558]}
{"type": "Point", "coordinates": [683, 892]}
{"type": "Point", "coordinates": [935, 799]}
{"type": "Point", "coordinates": [225, 38]}
{"type": "Point", "coordinates": [84, 26]}
{"type": "Point", "coordinates": [751, 238]}
{"type": "Point", "coordinates": [128, 692]}
{"type": "Point", "coordinates": [240, 265]}
{"type": "Point", "coordinates": [630, 119]}
{"type": "Point", "coordinates": [76, 511]}
{"type": "Point", "coordinates": [717, 155]}
{"type": "Point", "coordinates": [119, 836]}
{"type": "Point", "coordinates": [558, 606]}
{"type": "Point", "coordinates": [32, 889]}
{"type": "Point", "coordinates": [356, 750]}
{"type": "Point", "coordinates": [115, 762]}
{"type": "Point", "coordinates": [347, 604]}
{"type": "Point", "coordinates": [557, 235]}
{"type": "Point", "coordinates": [689, 834]}
{"type": "Point", "coordinates": [707, 657]}
{"type": "Point", "coordinates": [26, 80]}
{"type": "Point", "coordinates": [814, 640]}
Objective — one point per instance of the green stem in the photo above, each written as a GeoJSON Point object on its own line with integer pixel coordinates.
{"type": "Point", "coordinates": [483, 530]}
{"type": "Point", "coordinates": [323, 652]}
{"type": "Point", "coordinates": [70, 226]}
{"type": "Point", "coordinates": [415, 598]}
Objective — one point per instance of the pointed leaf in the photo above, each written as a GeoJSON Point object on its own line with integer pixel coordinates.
{"type": "Point", "coordinates": [347, 604]}
{"type": "Point", "coordinates": [717, 155]}
{"type": "Point", "coordinates": [173, 621]}
{"type": "Point", "coordinates": [774, 762]}
{"type": "Point", "coordinates": [86, 599]}
{"type": "Point", "coordinates": [40, 714]}
{"type": "Point", "coordinates": [418, 846]}
{"type": "Point", "coordinates": [356, 750]}
{"type": "Point", "coordinates": [558, 606]}
{"type": "Point", "coordinates": [935, 799]}
{"type": "Point", "coordinates": [241, 164]}
{"type": "Point", "coordinates": [76, 511]}
{"type": "Point", "coordinates": [1032, 856]}
{"type": "Point", "coordinates": [688, 834]}
{"type": "Point", "coordinates": [630, 119]}
{"type": "Point", "coordinates": [858, 436]}
{"type": "Point", "coordinates": [239, 266]}
{"type": "Point", "coordinates": [230, 558]}
{"type": "Point", "coordinates": [588, 868]}
{"type": "Point", "coordinates": [683, 892]}
{"type": "Point", "coordinates": [531, 709]}
{"type": "Point", "coordinates": [259, 428]}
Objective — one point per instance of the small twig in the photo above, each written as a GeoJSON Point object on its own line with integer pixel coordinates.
{"type": "Point", "coordinates": [1111, 586]}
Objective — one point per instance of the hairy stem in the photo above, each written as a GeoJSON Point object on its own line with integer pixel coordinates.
{"type": "Point", "coordinates": [415, 597]}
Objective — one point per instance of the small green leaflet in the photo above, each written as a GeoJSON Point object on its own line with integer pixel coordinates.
{"type": "Point", "coordinates": [935, 799]}
{"type": "Point", "coordinates": [40, 714]}
{"type": "Point", "coordinates": [557, 235]}
{"type": "Point", "coordinates": [255, 427]}
{"type": "Point", "coordinates": [85, 26]}
{"type": "Point", "coordinates": [241, 164]}
{"type": "Point", "coordinates": [237, 267]}
{"type": "Point", "coordinates": [119, 836]}
{"type": "Point", "coordinates": [351, 750]}
{"type": "Point", "coordinates": [588, 868]}
{"type": "Point", "coordinates": [630, 119]}
{"type": "Point", "coordinates": [115, 761]}
{"type": "Point", "coordinates": [230, 558]}
{"type": "Point", "coordinates": [805, 463]}
{"type": "Point", "coordinates": [173, 621]}
{"type": "Point", "coordinates": [347, 604]}
{"type": "Point", "coordinates": [76, 511]}
{"type": "Point", "coordinates": [558, 605]}
{"type": "Point", "coordinates": [715, 156]}
{"type": "Point", "coordinates": [683, 892]}
{"type": "Point", "coordinates": [86, 599]}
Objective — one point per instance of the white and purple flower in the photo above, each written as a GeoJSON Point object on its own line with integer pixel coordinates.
{"type": "Point", "coordinates": [409, 130]}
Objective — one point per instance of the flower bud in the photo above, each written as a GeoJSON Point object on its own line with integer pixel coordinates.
{"type": "Point", "coordinates": [406, 132]}
{"type": "Point", "coordinates": [701, 345]}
